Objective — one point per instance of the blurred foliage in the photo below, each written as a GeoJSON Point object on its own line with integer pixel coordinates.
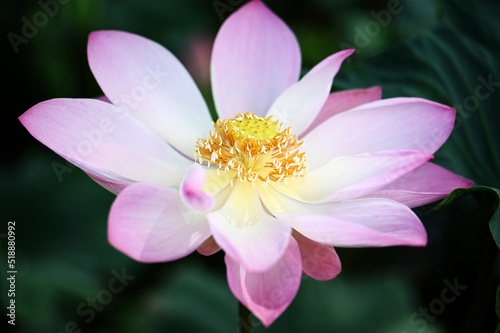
{"type": "Point", "coordinates": [430, 48]}
{"type": "Point", "coordinates": [456, 64]}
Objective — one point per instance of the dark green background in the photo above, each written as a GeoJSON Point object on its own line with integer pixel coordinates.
{"type": "Point", "coordinates": [434, 49]}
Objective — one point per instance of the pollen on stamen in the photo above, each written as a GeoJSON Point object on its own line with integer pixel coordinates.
{"type": "Point", "coordinates": [256, 147]}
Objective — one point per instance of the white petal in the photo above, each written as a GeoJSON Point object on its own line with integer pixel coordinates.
{"type": "Point", "coordinates": [246, 232]}
{"type": "Point", "coordinates": [299, 105]}
{"type": "Point", "coordinates": [146, 80]}
{"type": "Point", "coordinates": [352, 223]}
{"type": "Point", "coordinates": [389, 124]}
{"type": "Point", "coordinates": [351, 177]}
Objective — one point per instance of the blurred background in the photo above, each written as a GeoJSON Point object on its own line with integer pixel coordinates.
{"type": "Point", "coordinates": [436, 49]}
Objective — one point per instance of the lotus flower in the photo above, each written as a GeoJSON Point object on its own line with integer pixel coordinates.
{"type": "Point", "coordinates": [287, 172]}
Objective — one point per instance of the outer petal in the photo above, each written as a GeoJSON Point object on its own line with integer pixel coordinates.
{"type": "Point", "coordinates": [246, 232]}
{"type": "Point", "coordinates": [299, 105]}
{"type": "Point", "coordinates": [254, 59]}
{"type": "Point", "coordinates": [352, 223]}
{"type": "Point", "coordinates": [92, 135]}
{"type": "Point", "coordinates": [319, 261]}
{"type": "Point", "coordinates": [341, 101]}
{"type": "Point", "coordinates": [351, 177]}
{"type": "Point", "coordinates": [209, 247]}
{"type": "Point", "coordinates": [362, 223]}
{"type": "Point", "coordinates": [146, 80]}
{"type": "Point", "coordinates": [150, 223]}
{"type": "Point", "coordinates": [389, 124]}
{"type": "Point", "coordinates": [191, 192]}
{"type": "Point", "coordinates": [267, 294]}
{"type": "Point", "coordinates": [423, 185]}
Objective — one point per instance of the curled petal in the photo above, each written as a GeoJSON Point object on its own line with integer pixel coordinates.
{"type": "Point", "coordinates": [191, 192]}
{"type": "Point", "coordinates": [150, 223]}
{"type": "Point", "coordinates": [269, 293]}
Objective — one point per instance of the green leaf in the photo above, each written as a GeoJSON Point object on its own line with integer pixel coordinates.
{"type": "Point", "coordinates": [453, 66]}
{"type": "Point", "coordinates": [456, 63]}
{"type": "Point", "coordinates": [489, 198]}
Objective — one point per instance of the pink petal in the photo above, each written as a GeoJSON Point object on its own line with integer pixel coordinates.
{"type": "Point", "coordinates": [390, 124]}
{"type": "Point", "coordinates": [341, 101]}
{"type": "Point", "coordinates": [208, 247]}
{"type": "Point", "coordinates": [423, 185]}
{"type": "Point", "coordinates": [299, 105]}
{"type": "Point", "coordinates": [246, 232]}
{"type": "Point", "coordinates": [146, 80]}
{"type": "Point", "coordinates": [92, 135]}
{"type": "Point", "coordinates": [191, 192]}
{"type": "Point", "coordinates": [254, 59]}
{"type": "Point", "coordinates": [361, 223]}
{"type": "Point", "coordinates": [319, 261]}
{"type": "Point", "coordinates": [351, 177]}
{"type": "Point", "coordinates": [351, 223]}
{"type": "Point", "coordinates": [149, 223]}
{"type": "Point", "coordinates": [267, 294]}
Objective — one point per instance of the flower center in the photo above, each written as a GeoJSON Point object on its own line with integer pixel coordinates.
{"type": "Point", "coordinates": [256, 147]}
{"type": "Point", "coordinates": [250, 126]}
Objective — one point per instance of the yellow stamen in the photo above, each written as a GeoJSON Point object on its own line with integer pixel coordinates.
{"type": "Point", "coordinates": [256, 147]}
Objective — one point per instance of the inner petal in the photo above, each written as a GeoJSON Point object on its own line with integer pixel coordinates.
{"type": "Point", "coordinates": [246, 232]}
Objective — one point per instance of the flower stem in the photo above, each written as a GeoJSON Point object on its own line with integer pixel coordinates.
{"type": "Point", "coordinates": [244, 319]}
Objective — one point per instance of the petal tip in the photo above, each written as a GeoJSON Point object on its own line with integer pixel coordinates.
{"type": "Point", "coordinates": [267, 321]}
{"type": "Point", "coordinates": [421, 242]}
{"type": "Point", "coordinates": [93, 34]}
{"type": "Point", "coordinates": [377, 90]}
{"type": "Point", "coordinates": [103, 33]}
{"type": "Point", "coordinates": [96, 35]}
{"type": "Point", "coordinates": [343, 55]}
{"type": "Point", "coordinates": [468, 183]}
{"type": "Point", "coordinates": [26, 118]}
{"type": "Point", "coordinates": [452, 111]}
{"type": "Point", "coordinates": [21, 118]}
{"type": "Point", "coordinates": [348, 52]}
{"type": "Point", "coordinates": [257, 6]}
